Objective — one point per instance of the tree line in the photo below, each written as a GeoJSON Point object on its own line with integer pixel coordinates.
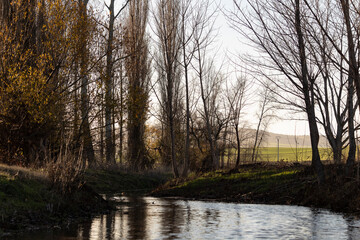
{"type": "Point", "coordinates": [90, 78]}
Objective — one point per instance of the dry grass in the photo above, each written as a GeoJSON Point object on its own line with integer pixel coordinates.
{"type": "Point", "coordinates": [21, 172]}
{"type": "Point", "coordinates": [66, 171]}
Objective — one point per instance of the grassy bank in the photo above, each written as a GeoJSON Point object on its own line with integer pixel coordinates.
{"type": "Point", "coordinates": [271, 184]}
{"type": "Point", "coordinates": [28, 201]}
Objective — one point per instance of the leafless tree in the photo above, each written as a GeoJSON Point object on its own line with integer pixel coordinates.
{"type": "Point", "coordinates": [207, 75]}
{"type": "Point", "coordinates": [345, 13]}
{"type": "Point", "coordinates": [186, 33]}
{"type": "Point", "coordinates": [332, 95]}
{"type": "Point", "coordinates": [237, 99]}
{"type": "Point", "coordinates": [167, 32]}
{"type": "Point", "coordinates": [265, 115]}
{"type": "Point", "coordinates": [109, 82]}
{"type": "Point", "coordinates": [274, 28]}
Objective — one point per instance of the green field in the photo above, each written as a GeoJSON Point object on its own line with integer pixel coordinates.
{"type": "Point", "coordinates": [292, 154]}
{"type": "Point", "coordinates": [270, 154]}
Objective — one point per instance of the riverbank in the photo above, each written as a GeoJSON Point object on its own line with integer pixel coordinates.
{"type": "Point", "coordinates": [289, 184]}
{"type": "Point", "coordinates": [29, 202]}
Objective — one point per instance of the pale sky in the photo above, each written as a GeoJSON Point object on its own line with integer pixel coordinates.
{"type": "Point", "coordinates": [235, 43]}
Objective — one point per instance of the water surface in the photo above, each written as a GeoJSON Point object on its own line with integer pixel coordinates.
{"type": "Point", "coordinates": [157, 218]}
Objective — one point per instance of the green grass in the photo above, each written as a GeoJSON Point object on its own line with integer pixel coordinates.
{"type": "Point", "coordinates": [226, 185]}
{"type": "Point", "coordinates": [292, 154]}
{"type": "Point", "coordinates": [22, 193]}
{"type": "Point", "coordinates": [27, 198]}
{"type": "Point", "coordinates": [270, 154]}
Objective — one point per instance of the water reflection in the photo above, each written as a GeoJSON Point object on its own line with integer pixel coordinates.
{"type": "Point", "coordinates": [153, 218]}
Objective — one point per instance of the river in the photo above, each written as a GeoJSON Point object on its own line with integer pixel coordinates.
{"type": "Point", "coordinates": [157, 218]}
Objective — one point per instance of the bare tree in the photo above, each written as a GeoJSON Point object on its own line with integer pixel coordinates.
{"type": "Point", "coordinates": [109, 98]}
{"type": "Point", "coordinates": [275, 27]}
{"type": "Point", "coordinates": [331, 94]}
{"type": "Point", "coordinates": [237, 100]}
{"type": "Point", "coordinates": [186, 35]}
{"type": "Point", "coordinates": [348, 54]}
{"type": "Point", "coordinates": [206, 74]}
{"type": "Point", "coordinates": [265, 115]}
{"type": "Point", "coordinates": [167, 32]}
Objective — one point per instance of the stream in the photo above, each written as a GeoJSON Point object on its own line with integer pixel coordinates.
{"type": "Point", "coordinates": [140, 217]}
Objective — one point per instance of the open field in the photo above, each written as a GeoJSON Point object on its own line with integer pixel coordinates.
{"type": "Point", "coordinates": [292, 154]}
{"type": "Point", "coordinates": [287, 154]}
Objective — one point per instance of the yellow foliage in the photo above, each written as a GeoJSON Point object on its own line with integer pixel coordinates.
{"type": "Point", "coordinates": [38, 44]}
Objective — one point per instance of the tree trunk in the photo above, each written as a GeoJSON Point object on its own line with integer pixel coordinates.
{"type": "Point", "coordinates": [137, 72]}
{"type": "Point", "coordinates": [238, 146]}
{"type": "Point", "coordinates": [171, 122]}
{"type": "Point", "coordinates": [110, 153]}
{"type": "Point", "coordinates": [222, 164]}
{"type": "Point", "coordinates": [101, 122]}
{"type": "Point", "coordinates": [309, 99]}
{"type": "Point", "coordinates": [84, 60]}
{"type": "Point", "coordinates": [208, 164]}
{"type": "Point", "coordinates": [187, 139]}
{"type": "Point", "coordinates": [121, 137]}
{"type": "Point", "coordinates": [354, 78]}
{"type": "Point", "coordinates": [351, 129]}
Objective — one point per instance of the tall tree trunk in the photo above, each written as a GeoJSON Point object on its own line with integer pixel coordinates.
{"type": "Point", "coordinates": [121, 137]}
{"type": "Point", "coordinates": [101, 122]}
{"type": "Point", "coordinates": [109, 141]}
{"type": "Point", "coordinates": [187, 139]}
{"type": "Point", "coordinates": [170, 113]}
{"type": "Point", "coordinates": [84, 60]}
{"type": "Point", "coordinates": [255, 146]}
{"type": "Point", "coordinates": [207, 165]}
{"type": "Point", "coordinates": [222, 163]}
{"type": "Point", "coordinates": [238, 146]}
{"type": "Point", "coordinates": [309, 98]}
{"type": "Point", "coordinates": [354, 78]}
{"type": "Point", "coordinates": [351, 129]}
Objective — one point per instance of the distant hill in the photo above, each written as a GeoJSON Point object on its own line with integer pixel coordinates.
{"type": "Point", "coordinates": [290, 140]}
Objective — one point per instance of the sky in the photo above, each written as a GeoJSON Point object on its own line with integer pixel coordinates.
{"type": "Point", "coordinates": [235, 44]}
{"type": "Point", "coordinates": [232, 43]}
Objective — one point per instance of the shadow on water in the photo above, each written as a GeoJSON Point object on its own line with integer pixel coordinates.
{"type": "Point", "coordinates": [155, 218]}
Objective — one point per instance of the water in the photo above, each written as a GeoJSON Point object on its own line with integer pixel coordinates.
{"type": "Point", "coordinates": [156, 218]}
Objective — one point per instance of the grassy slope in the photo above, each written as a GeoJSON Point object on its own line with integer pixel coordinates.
{"type": "Point", "coordinates": [263, 183]}
{"type": "Point", "coordinates": [27, 200]}
{"type": "Point", "coordinates": [234, 186]}
{"type": "Point", "coordinates": [28, 203]}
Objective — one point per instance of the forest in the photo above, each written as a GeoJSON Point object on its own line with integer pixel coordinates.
{"type": "Point", "coordinates": [119, 86]}
{"type": "Point", "coordinates": [141, 85]}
